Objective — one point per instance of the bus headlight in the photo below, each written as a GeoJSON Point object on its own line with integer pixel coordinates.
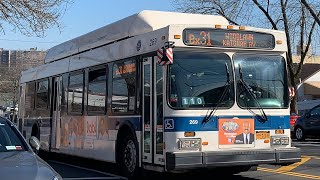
{"type": "Point", "coordinates": [276, 140]}
{"type": "Point", "coordinates": [189, 144]}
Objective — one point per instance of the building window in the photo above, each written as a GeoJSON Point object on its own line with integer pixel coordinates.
{"type": "Point", "coordinates": [124, 86]}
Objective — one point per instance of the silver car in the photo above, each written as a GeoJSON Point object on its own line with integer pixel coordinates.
{"type": "Point", "coordinates": [18, 159]}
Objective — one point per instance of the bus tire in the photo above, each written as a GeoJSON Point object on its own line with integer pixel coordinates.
{"type": "Point", "coordinates": [128, 156]}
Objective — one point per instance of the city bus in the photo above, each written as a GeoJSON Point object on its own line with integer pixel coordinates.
{"type": "Point", "coordinates": [164, 91]}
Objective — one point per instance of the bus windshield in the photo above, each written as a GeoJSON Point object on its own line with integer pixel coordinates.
{"type": "Point", "coordinates": [264, 77]}
{"type": "Point", "coordinates": [198, 79]}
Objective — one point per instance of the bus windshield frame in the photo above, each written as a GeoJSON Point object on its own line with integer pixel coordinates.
{"type": "Point", "coordinates": [196, 85]}
{"type": "Point", "coordinates": [265, 77]}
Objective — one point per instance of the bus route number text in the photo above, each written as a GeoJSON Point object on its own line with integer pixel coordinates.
{"type": "Point", "coordinates": [153, 42]}
{"type": "Point", "coordinates": [192, 101]}
{"type": "Point", "coordinates": [203, 38]}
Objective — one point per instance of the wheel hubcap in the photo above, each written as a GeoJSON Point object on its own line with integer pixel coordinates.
{"type": "Point", "coordinates": [130, 156]}
{"type": "Point", "coordinates": [299, 133]}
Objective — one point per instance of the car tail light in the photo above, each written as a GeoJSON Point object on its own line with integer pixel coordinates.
{"type": "Point", "coordinates": [293, 119]}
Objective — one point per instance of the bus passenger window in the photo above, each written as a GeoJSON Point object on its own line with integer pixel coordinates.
{"type": "Point", "coordinates": [124, 86]}
{"type": "Point", "coordinates": [42, 94]}
{"type": "Point", "coordinates": [29, 99]}
{"type": "Point", "coordinates": [97, 90]}
{"type": "Point", "coordinates": [75, 93]}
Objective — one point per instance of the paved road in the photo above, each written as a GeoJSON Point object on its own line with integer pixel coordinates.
{"type": "Point", "coordinates": [308, 168]}
{"type": "Point", "coordinates": [74, 172]}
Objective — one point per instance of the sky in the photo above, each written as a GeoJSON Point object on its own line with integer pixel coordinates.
{"type": "Point", "coordinates": [81, 17]}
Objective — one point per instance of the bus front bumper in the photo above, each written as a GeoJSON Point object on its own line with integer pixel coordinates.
{"type": "Point", "coordinates": [193, 160]}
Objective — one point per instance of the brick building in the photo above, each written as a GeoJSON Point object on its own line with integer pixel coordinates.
{"type": "Point", "coordinates": [12, 62]}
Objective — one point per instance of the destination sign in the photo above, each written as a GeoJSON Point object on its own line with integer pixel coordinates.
{"type": "Point", "coordinates": [228, 38]}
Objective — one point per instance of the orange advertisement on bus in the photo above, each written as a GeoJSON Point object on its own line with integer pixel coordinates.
{"type": "Point", "coordinates": [235, 132]}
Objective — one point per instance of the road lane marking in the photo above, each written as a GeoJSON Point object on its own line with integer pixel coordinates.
{"type": "Point", "coordinates": [93, 170]}
{"type": "Point", "coordinates": [289, 173]}
{"type": "Point", "coordinates": [313, 157]}
{"type": "Point", "coordinates": [307, 144]}
{"type": "Point", "coordinates": [294, 165]}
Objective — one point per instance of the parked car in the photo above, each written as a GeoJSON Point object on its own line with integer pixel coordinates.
{"type": "Point", "coordinates": [18, 159]}
{"type": "Point", "coordinates": [308, 125]}
{"type": "Point", "coordinates": [293, 119]}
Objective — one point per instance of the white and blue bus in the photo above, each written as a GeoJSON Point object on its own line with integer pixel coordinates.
{"type": "Point", "coordinates": [164, 91]}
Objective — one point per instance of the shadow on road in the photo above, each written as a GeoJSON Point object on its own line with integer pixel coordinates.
{"type": "Point", "coordinates": [112, 168]}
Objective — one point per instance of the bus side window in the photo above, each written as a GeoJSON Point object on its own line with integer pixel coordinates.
{"type": "Point", "coordinates": [75, 93]}
{"type": "Point", "coordinates": [124, 86]}
{"type": "Point", "coordinates": [30, 98]}
{"type": "Point", "coordinates": [42, 100]}
{"type": "Point", "coordinates": [97, 91]}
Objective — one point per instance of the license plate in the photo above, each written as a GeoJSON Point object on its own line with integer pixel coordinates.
{"type": "Point", "coordinates": [262, 135]}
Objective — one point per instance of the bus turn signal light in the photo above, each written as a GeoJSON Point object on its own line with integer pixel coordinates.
{"type": "Point", "coordinates": [189, 134]}
{"type": "Point", "coordinates": [177, 36]}
{"type": "Point", "coordinates": [205, 143]}
{"type": "Point", "coordinates": [229, 27]}
{"type": "Point", "coordinates": [242, 28]}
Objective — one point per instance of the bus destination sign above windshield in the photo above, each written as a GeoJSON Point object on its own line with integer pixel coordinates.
{"type": "Point", "coordinates": [228, 38]}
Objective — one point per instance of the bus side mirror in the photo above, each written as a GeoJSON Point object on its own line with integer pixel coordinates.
{"type": "Point", "coordinates": [34, 143]}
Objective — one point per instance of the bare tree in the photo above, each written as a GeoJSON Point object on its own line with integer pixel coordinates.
{"type": "Point", "coordinates": [31, 17]}
{"type": "Point", "coordinates": [312, 12]}
{"type": "Point", "coordinates": [287, 15]}
{"type": "Point", "coordinates": [10, 72]}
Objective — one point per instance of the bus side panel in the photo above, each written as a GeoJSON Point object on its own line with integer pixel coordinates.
{"type": "Point", "coordinates": [93, 136]}
{"type": "Point", "coordinates": [21, 108]}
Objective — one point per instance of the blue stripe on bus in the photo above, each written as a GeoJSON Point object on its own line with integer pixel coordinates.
{"type": "Point", "coordinates": [174, 124]}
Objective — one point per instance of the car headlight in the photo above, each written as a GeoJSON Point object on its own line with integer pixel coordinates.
{"type": "Point", "coordinates": [276, 140]}
{"type": "Point", "coordinates": [189, 144]}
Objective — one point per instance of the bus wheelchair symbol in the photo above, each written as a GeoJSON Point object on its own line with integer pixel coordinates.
{"type": "Point", "coordinates": [168, 124]}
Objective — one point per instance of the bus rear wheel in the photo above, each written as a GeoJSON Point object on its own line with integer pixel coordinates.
{"type": "Point", "coordinates": [128, 156]}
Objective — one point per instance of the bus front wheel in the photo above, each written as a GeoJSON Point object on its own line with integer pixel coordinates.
{"type": "Point", "coordinates": [128, 156]}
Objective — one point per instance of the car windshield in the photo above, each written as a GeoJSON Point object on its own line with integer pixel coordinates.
{"type": "Point", "coordinates": [198, 79]}
{"type": "Point", "coordinates": [264, 79]}
{"type": "Point", "coordinates": [9, 140]}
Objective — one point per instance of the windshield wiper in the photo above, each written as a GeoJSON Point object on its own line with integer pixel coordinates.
{"type": "Point", "coordinates": [210, 111]}
{"type": "Point", "coordinates": [261, 118]}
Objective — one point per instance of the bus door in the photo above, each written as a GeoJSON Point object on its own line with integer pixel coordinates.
{"type": "Point", "coordinates": [152, 112]}
{"type": "Point", "coordinates": [55, 115]}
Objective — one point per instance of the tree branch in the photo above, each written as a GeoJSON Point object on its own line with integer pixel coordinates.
{"type": "Point", "coordinates": [316, 17]}
{"type": "Point", "coordinates": [274, 25]}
